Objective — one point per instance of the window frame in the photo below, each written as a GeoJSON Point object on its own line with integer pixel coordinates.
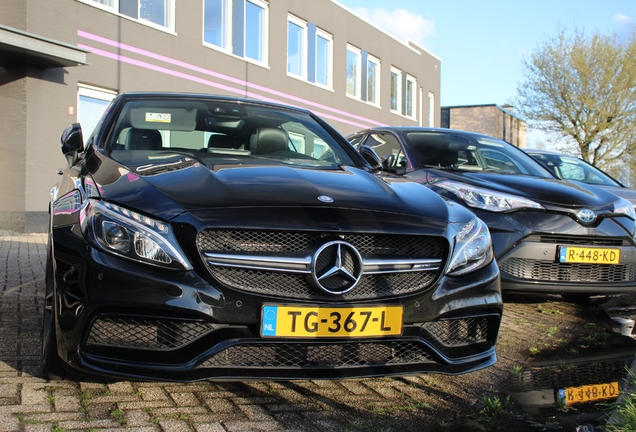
{"type": "Point", "coordinates": [92, 92]}
{"type": "Point", "coordinates": [114, 8]}
{"type": "Point", "coordinates": [303, 48]}
{"type": "Point", "coordinates": [410, 95]}
{"type": "Point", "coordinates": [378, 78]}
{"type": "Point", "coordinates": [264, 39]}
{"type": "Point", "coordinates": [228, 28]}
{"type": "Point", "coordinates": [398, 90]}
{"type": "Point", "coordinates": [358, 72]}
{"type": "Point", "coordinates": [431, 109]}
{"type": "Point", "coordinates": [329, 67]}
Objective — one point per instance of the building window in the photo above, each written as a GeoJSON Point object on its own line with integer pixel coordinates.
{"type": "Point", "coordinates": [255, 30]}
{"type": "Point", "coordinates": [411, 86]}
{"type": "Point", "coordinates": [353, 72]}
{"type": "Point", "coordinates": [324, 50]}
{"type": "Point", "coordinates": [431, 110]}
{"type": "Point", "coordinates": [217, 23]}
{"type": "Point", "coordinates": [296, 47]}
{"type": "Point", "coordinates": [237, 26]}
{"type": "Point", "coordinates": [91, 104]}
{"type": "Point", "coordinates": [155, 12]}
{"type": "Point", "coordinates": [373, 80]}
{"type": "Point", "coordinates": [396, 90]}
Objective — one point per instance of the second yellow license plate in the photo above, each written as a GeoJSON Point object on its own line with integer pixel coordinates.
{"type": "Point", "coordinates": [326, 322]}
{"type": "Point", "coordinates": [571, 254]}
{"type": "Point", "coordinates": [589, 393]}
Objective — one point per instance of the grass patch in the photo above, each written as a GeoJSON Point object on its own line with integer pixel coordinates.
{"type": "Point", "coordinates": [118, 415]}
{"type": "Point", "coordinates": [494, 409]}
{"type": "Point", "coordinates": [623, 417]}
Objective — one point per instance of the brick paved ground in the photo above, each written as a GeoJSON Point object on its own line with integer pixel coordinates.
{"type": "Point", "coordinates": [427, 402]}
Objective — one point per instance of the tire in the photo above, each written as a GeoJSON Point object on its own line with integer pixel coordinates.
{"type": "Point", "coordinates": [52, 367]}
{"type": "Point", "coordinates": [585, 299]}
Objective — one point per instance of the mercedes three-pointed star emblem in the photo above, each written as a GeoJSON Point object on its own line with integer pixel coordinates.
{"type": "Point", "coordinates": [336, 267]}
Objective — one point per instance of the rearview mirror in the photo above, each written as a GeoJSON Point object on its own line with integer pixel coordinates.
{"type": "Point", "coordinates": [72, 143]}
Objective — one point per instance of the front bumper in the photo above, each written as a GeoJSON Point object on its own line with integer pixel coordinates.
{"type": "Point", "coordinates": [527, 251]}
{"type": "Point", "coordinates": [122, 319]}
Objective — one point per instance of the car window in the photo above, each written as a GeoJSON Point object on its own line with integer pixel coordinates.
{"type": "Point", "coordinates": [572, 168]}
{"type": "Point", "coordinates": [450, 150]}
{"type": "Point", "coordinates": [388, 147]}
{"type": "Point", "coordinates": [211, 129]}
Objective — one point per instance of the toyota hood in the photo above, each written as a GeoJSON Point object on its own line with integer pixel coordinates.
{"type": "Point", "coordinates": [548, 192]}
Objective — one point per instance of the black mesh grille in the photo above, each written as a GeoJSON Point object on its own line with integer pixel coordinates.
{"type": "Point", "coordinates": [146, 334]}
{"type": "Point", "coordinates": [303, 244]}
{"type": "Point", "coordinates": [459, 332]}
{"type": "Point", "coordinates": [550, 271]}
{"type": "Point", "coordinates": [297, 244]}
{"type": "Point", "coordinates": [568, 376]}
{"type": "Point", "coordinates": [586, 241]}
{"type": "Point", "coordinates": [294, 286]}
{"type": "Point", "coordinates": [319, 355]}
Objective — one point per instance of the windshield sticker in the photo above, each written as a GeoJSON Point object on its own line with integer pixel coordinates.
{"type": "Point", "coordinates": [158, 117]}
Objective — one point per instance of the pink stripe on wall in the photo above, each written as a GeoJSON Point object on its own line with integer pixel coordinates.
{"type": "Point", "coordinates": [246, 84]}
{"type": "Point", "coordinates": [238, 91]}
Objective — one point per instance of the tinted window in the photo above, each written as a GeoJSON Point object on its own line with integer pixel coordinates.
{"type": "Point", "coordinates": [472, 153]}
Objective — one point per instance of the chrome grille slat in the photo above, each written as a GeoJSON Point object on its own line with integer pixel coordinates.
{"type": "Point", "coordinates": [277, 263]}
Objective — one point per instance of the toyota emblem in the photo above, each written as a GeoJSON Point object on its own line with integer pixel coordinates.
{"type": "Point", "coordinates": [586, 216]}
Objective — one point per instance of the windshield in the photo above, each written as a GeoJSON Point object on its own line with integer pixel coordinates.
{"type": "Point", "coordinates": [472, 153]}
{"type": "Point", "coordinates": [572, 168]}
{"type": "Point", "coordinates": [221, 132]}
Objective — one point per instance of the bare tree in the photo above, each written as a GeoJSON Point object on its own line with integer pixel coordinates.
{"type": "Point", "coordinates": [583, 89]}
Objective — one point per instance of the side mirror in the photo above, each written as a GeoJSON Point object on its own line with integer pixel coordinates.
{"type": "Point", "coordinates": [72, 143]}
{"type": "Point", "coordinates": [371, 157]}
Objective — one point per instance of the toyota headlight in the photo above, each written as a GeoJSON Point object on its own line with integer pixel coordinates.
{"type": "Point", "coordinates": [487, 199]}
{"type": "Point", "coordinates": [622, 206]}
{"type": "Point", "coordinates": [473, 248]}
{"type": "Point", "coordinates": [131, 235]}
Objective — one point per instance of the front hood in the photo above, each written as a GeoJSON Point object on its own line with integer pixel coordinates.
{"type": "Point", "coordinates": [548, 192]}
{"type": "Point", "coordinates": [189, 186]}
{"type": "Point", "coordinates": [627, 193]}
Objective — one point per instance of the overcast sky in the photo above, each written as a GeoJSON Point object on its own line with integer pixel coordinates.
{"type": "Point", "coordinates": [481, 42]}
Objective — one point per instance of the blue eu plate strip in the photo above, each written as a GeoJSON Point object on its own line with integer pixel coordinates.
{"type": "Point", "coordinates": [268, 324]}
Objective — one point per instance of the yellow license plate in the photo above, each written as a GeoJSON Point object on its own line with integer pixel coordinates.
{"type": "Point", "coordinates": [330, 322]}
{"type": "Point", "coordinates": [570, 254]}
{"type": "Point", "coordinates": [589, 393]}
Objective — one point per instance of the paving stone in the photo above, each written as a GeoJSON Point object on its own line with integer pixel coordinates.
{"type": "Point", "coordinates": [121, 387]}
{"type": "Point", "coordinates": [220, 405]}
{"type": "Point", "coordinates": [153, 394]}
{"type": "Point", "coordinates": [185, 399]}
{"type": "Point", "coordinates": [136, 418]}
{"type": "Point", "coordinates": [255, 412]}
{"type": "Point", "coordinates": [67, 403]}
{"type": "Point", "coordinates": [209, 427]}
{"type": "Point", "coordinates": [253, 426]}
{"type": "Point", "coordinates": [9, 423]}
{"type": "Point", "coordinates": [174, 425]}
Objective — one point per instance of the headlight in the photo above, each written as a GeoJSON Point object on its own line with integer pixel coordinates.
{"type": "Point", "coordinates": [622, 206]}
{"type": "Point", "coordinates": [131, 235]}
{"type": "Point", "coordinates": [473, 248]}
{"type": "Point", "coordinates": [486, 199]}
